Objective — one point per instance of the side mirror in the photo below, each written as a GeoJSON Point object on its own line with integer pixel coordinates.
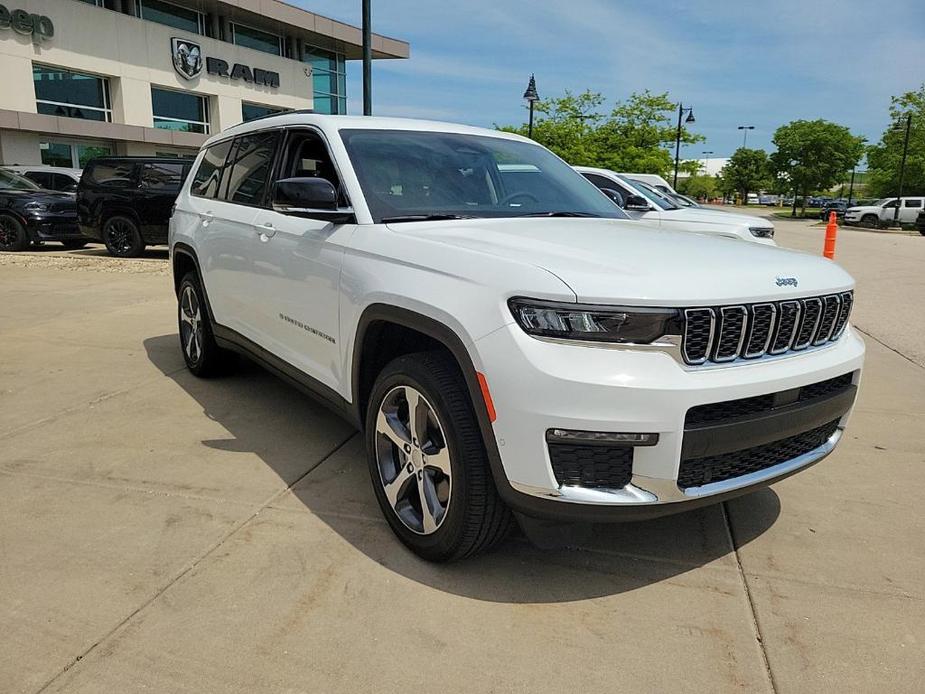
{"type": "Point", "coordinates": [637, 202]}
{"type": "Point", "coordinates": [305, 194]}
{"type": "Point", "coordinates": [615, 195]}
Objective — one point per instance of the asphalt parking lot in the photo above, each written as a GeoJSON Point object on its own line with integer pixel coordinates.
{"type": "Point", "coordinates": [167, 534]}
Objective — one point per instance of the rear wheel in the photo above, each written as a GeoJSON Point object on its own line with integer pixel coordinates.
{"type": "Point", "coordinates": [13, 235]}
{"type": "Point", "coordinates": [122, 237]}
{"type": "Point", "coordinates": [428, 463]}
{"type": "Point", "coordinates": [200, 352]}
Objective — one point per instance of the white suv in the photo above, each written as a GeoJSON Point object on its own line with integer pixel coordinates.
{"type": "Point", "coordinates": [643, 202]}
{"type": "Point", "coordinates": [506, 340]}
{"type": "Point", "coordinates": [883, 212]}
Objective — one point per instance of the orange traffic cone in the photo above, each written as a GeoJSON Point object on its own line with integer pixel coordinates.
{"type": "Point", "coordinates": [831, 230]}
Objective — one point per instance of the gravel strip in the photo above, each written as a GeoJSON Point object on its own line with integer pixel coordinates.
{"type": "Point", "coordinates": [85, 263]}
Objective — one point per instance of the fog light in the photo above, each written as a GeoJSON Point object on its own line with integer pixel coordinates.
{"type": "Point", "coordinates": [600, 437]}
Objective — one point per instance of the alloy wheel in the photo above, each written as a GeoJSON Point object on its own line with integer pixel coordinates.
{"type": "Point", "coordinates": [413, 459]}
{"type": "Point", "coordinates": [190, 324]}
{"type": "Point", "coordinates": [7, 233]}
{"type": "Point", "coordinates": [120, 235]}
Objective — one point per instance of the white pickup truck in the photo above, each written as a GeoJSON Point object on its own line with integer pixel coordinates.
{"type": "Point", "coordinates": [883, 212]}
{"type": "Point", "coordinates": [509, 343]}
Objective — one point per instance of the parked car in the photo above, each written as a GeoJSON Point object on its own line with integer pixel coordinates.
{"type": "Point", "coordinates": [641, 201]}
{"type": "Point", "coordinates": [50, 177]}
{"type": "Point", "coordinates": [505, 348]}
{"type": "Point", "coordinates": [839, 207]}
{"type": "Point", "coordinates": [654, 180]}
{"type": "Point", "coordinates": [882, 212]}
{"type": "Point", "coordinates": [125, 202]}
{"type": "Point", "coordinates": [30, 215]}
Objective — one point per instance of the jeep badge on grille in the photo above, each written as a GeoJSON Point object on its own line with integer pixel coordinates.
{"type": "Point", "coordinates": [786, 282]}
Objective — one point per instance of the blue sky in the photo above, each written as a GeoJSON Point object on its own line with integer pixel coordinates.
{"type": "Point", "coordinates": [741, 63]}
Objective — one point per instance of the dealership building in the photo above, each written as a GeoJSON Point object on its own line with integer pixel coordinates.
{"type": "Point", "coordinates": [85, 78]}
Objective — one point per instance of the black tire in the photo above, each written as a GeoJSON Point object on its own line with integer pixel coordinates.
{"type": "Point", "coordinates": [122, 237]}
{"type": "Point", "coordinates": [474, 518]}
{"type": "Point", "coordinates": [871, 221]}
{"type": "Point", "coordinates": [203, 357]}
{"type": "Point", "coordinates": [13, 236]}
{"type": "Point", "coordinates": [73, 245]}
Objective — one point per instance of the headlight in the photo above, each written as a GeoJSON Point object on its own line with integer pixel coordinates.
{"type": "Point", "coordinates": [35, 207]}
{"type": "Point", "coordinates": [595, 323]}
{"type": "Point", "coordinates": [762, 232]}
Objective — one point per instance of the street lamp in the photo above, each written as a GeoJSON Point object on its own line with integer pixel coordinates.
{"type": "Point", "coordinates": [902, 167]}
{"type": "Point", "coordinates": [531, 97]}
{"type": "Point", "coordinates": [677, 143]}
{"type": "Point", "coordinates": [745, 128]}
{"type": "Point", "coordinates": [367, 59]}
{"type": "Point", "coordinates": [706, 158]}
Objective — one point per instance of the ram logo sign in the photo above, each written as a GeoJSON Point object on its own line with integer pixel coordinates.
{"type": "Point", "coordinates": [187, 58]}
{"type": "Point", "coordinates": [188, 61]}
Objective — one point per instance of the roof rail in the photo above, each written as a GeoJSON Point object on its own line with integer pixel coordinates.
{"type": "Point", "coordinates": [287, 112]}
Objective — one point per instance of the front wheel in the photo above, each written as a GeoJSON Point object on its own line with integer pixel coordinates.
{"type": "Point", "coordinates": [871, 221]}
{"type": "Point", "coordinates": [13, 235]}
{"type": "Point", "coordinates": [428, 463]}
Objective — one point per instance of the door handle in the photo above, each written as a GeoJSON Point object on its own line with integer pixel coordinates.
{"type": "Point", "coordinates": [265, 230]}
{"type": "Point", "coordinates": [206, 218]}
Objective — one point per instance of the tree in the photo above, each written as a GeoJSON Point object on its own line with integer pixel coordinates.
{"type": "Point", "coordinates": [884, 158]}
{"type": "Point", "coordinates": [699, 186]}
{"type": "Point", "coordinates": [814, 155]}
{"type": "Point", "coordinates": [746, 171]}
{"type": "Point", "coordinates": [637, 135]}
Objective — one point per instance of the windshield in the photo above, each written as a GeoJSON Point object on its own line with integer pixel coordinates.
{"type": "Point", "coordinates": [882, 201]}
{"type": "Point", "coordinates": [653, 195]}
{"type": "Point", "coordinates": [413, 175]}
{"type": "Point", "coordinates": [11, 181]}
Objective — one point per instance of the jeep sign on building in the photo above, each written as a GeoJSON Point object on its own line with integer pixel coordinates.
{"type": "Point", "coordinates": [146, 77]}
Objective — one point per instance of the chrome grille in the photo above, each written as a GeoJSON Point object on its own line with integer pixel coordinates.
{"type": "Point", "coordinates": [723, 334]}
{"type": "Point", "coordinates": [730, 334]}
{"type": "Point", "coordinates": [761, 319]}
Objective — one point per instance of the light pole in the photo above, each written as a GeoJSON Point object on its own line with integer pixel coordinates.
{"type": "Point", "coordinates": [745, 129]}
{"type": "Point", "coordinates": [851, 187]}
{"type": "Point", "coordinates": [367, 60]}
{"type": "Point", "coordinates": [677, 142]}
{"type": "Point", "coordinates": [531, 97]}
{"type": "Point", "coordinates": [902, 169]}
{"type": "Point", "coordinates": [706, 158]}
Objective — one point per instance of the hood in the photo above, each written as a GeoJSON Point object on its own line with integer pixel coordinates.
{"type": "Point", "coordinates": [702, 215]}
{"type": "Point", "coordinates": [617, 261]}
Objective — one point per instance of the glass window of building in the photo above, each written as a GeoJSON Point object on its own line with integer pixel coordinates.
{"type": "Point", "coordinates": [60, 92]}
{"type": "Point", "coordinates": [329, 77]}
{"type": "Point", "coordinates": [172, 15]}
{"type": "Point", "coordinates": [252, 111]}
{"type": "Point", "coordinates": [180, 111]}
{"type": "Point", "coordinates": [71, 155]}
{"type": "Point", "coordinates": [256, 39]}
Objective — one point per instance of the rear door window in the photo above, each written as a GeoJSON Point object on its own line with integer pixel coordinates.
{"type": "Point", "coordinates": [42, 178]}
{"type": "Point", "coordinates": [248, 173]}
{"type": "Point", "coordinates": [114, 174]}
{"type": "Point", "coordinates": [211, 168]}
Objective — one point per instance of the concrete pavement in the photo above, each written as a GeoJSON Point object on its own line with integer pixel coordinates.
{"type": "Point", "coordinates": [162, 533]}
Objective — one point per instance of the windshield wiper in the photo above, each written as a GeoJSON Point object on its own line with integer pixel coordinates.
{"type": "Point", "coordinates": [424, 217]}
{"type": "Point", "coordinates": [561, 213]}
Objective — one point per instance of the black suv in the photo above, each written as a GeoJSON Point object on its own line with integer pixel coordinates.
{"type": "Point", "coordinates": [125, 202]}
{"type": "Point", "coordinates": [29, 214]}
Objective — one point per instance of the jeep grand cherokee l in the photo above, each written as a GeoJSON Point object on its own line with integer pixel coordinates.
{"type": "Point", "coordinates": [505, 349]}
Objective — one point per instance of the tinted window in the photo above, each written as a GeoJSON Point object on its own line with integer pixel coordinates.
{"type": "Point", "coordinates": [161, 176]}
{"type": "Point", "coordinates": [913, 203]}
{"type": "Point", "coordinates": [249, 168]}
{"type": "Point", "coordinates": [114, 174]}
{"type": "Point", "coordinates": [42, 178]}
{"type": "Point", "coordinates": [63, 182]}
{"type": "Point", "coordinates": [209, 174]}
{"type": "Point", "coordinates": [604, 182]}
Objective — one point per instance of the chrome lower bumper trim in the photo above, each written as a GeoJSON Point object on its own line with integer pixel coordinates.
{"type": "Point", "coordinates": [651, 491]}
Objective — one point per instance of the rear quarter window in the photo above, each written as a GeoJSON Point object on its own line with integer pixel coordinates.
{"type": "Point", "coordinates": [113, 175]}
{"type": "Point", "coordinates": [162, 176]}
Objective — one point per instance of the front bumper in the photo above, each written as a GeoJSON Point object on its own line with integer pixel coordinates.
{"type": "Point", "coordinates": [605, 389]}
{"type": "Point", "coordinates": [53, 227]}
